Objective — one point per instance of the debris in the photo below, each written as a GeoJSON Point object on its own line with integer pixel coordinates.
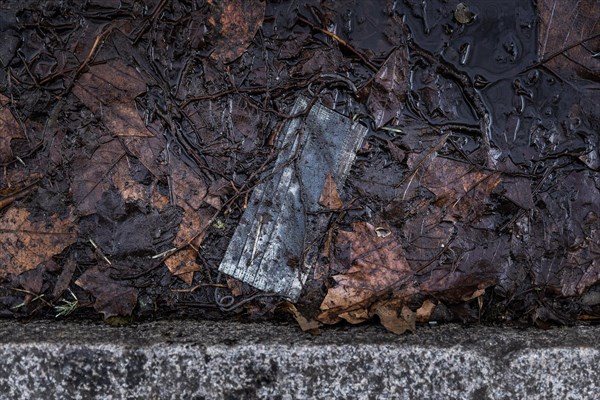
{"type": "Point", "coordinates": [424, 312]}
{"type": "Point", "coordinates": [234, 23]}
{"type": "Point", "coordinates": [307, 325]}
{"type": "Point", "coordinates": [463, 14]}
{"type": "Point", "coordinates": [66, 307]}
{"type": "Point", "coordinates": [27, 241]}
{"type": "Point", "coordinates": [112, 298]}
{"type": "Point", "coordinates": [277, 242]}
{"type": "Point", "coordinates": [377, 270]}
{"type": "Point", "coordinates": [109, 90]}
{"type": "Point", "coordinates": [395, 316]}
{"type": "Point", "coordinates": [207, 157]}
{"type": "Point", "coordinates": [9, 130]}
{"type": "Point", "coordinates": [183, 264]}
{"type": "Point", "coordinates": [330, 198]}
{"type": "Point", "coordinates": [389, 88]}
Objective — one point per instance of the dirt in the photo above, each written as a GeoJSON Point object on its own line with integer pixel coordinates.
{"type": "Point", "coordinates": [133, 133]}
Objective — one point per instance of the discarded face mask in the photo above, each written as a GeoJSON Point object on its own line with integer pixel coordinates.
{"type": "Point", "coordinates": [277, 240]}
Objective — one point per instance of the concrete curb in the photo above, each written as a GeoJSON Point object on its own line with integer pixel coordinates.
{"type": "Point", "coordinates": [217, 360]}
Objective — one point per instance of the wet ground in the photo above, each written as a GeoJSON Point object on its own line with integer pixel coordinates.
{"type": "Point", "coordinates": [132, 135]}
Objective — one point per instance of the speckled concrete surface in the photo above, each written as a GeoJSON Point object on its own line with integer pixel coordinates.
{"type": "Point", "coordinates": [210, 360]}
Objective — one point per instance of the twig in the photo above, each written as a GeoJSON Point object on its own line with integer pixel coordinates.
{"type": "Point", "coordinates": [559, 52]}
{"type": "Point", "coordinates": [100, 251]}
{"type": "Point", "coordinates": [341, 41]}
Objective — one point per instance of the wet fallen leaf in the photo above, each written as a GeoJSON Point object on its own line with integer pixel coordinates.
{"type": "Point", "coordinates": [121, 229]}
{"type": "Point", "coordinates": [9, 130]}
{"type": "Point", "coordinates": [109, 90]}
{"type": "Point", "coordinates": [474, 260]}
{"type": "Point", "coordinates": [567, 25]}
{"type": "Point", "coordinates": [112, 298]}
{"type": "Point", "coordinates": [92, 175]}
{"type": "Point", "coordinates": [217, 189]}
{"type": "Point", "coordinates": [424, 312]}
{"type": "Point", "coordinates": [131, 189]}
{"type": "Point", "coordinates": [235, 286]}
{"type": "Point", "coordinates": [183, 265]}
{"type": "Point", "coordinates": [307, 325]}
{"type": "Point", "coordinates": [188, 190]}
{"type": "Point", "coordinates": [32, 281]}
{"type": "Point", "coordinates": [64, 279]}
{"type": "Point", "coordinates": [389, 88]}
{"type": "Point", "coordinates": [459, 187]}
{"type": "Point", "coordinates": [377, 266]}
{"type": "Point", "coordinates": [330, 197]}
{"type": "Point", "coordinates": [26, 242]}
{"type": "Point", "coordinates": [561, 241]}
{"type": "Point", "coordinates": [395, 316]}
{"type": "Point", "coordinates": [234, 24]}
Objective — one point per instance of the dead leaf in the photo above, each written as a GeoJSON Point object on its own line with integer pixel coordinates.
{"type": "Point", "coordinates": [183, 265]}
{"type": "Point", "coordinates": [193, 225]}
{"type": "Point", "coordinates": [477, 293]}
{"type": "Point", "coordinates": [112, 298]}
{"type": "Point", "coordinates": [109, 90]}
{"type": "Point", "coordinates": [475, 261]}
{"type": "Point", "coordinates": [566, 24]}
{"type": "Point", "coordinates": [25, 243]}
{"type": "Point", "coordinates": [330, 197]}
{"type": "Point", "coordinates": [424, 312]}
{"type": "Point", "coordinates": [389, 88]}
{"type": "Point", "coordinates": [395, 317]}
{"type": "Point", "coordinates": [9, 130]}
{"type": "Point", "coordinates": [460, 188]}
{"type": "Point", "coordinates": [377, 265]}
{"type": "Point", "coordinates": [188, 189]}
{"type": "Point", "coordinates": [235, 286]}
{"type": "Point", "coordinates": [307, 325]}
{"type": "Point", "coordinates": [64, 279]}
{"type": "Point", "coordinates": [32, 280]}
{"type": "Point", "coordinates": [217, 189]}
{"type": "Point", "coordinates": [561, 240]}
{"type": "Point", "coordinates": [91, 177]}
{"type": "Point", "coordinates": [234, 24]}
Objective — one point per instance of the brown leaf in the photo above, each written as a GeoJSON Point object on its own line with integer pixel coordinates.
{"type": "Point", "coordinates": [395, 151]}
{"type": "Point", "coordinates": [235, 286]}
{"type": "Point", "coordinates": [109, 90]}
{"type": "Point", "coordinates": [217, 189]}
{"type": "Point", "coordinates": [130, 189]}
{"type": "Point", "coordinates": [389, 88]}
{"type": "Point", "coordinates": [188, 189]}
{"type": "Point", "coordinates": [234, 23]}
{"type": "Point", "coordinates": [91, 177]}
{"type": "Point", "coordinates": [183, 265]}
{"type": "Point", "coordinates": [566, 24]}
{"type": "Point", "coordinates": [377, 266]}
{"type": "Point", "coordinates": [330, 197]}
{"type": "Point", "coordinates": [32, 281]}
{"type": "Point", "coordinates": [24, 243]}
{"type": "Point", "coordinates": [460, 188]}
{"type": "Point", "coordinates": [307, 325]}
{"type": "Point", "coordinates": [395, 317]}
{"type": "Point", "coordinates": [112, 298]}
{"type": "Point", "coordinates": [562, 240]}
{"type": "Point", "coordinates": [64, 279]}
{"type": "Point", "coordinates": [424, 312]}
{"type": "Point", "coordinates": [9, 130]}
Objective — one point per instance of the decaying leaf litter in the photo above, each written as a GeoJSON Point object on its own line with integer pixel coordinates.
{"type": "Point", "coordinates": [132, 136]}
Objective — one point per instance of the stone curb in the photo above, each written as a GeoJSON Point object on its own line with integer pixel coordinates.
{"type": "Point", "coordinates": [218, 360]}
